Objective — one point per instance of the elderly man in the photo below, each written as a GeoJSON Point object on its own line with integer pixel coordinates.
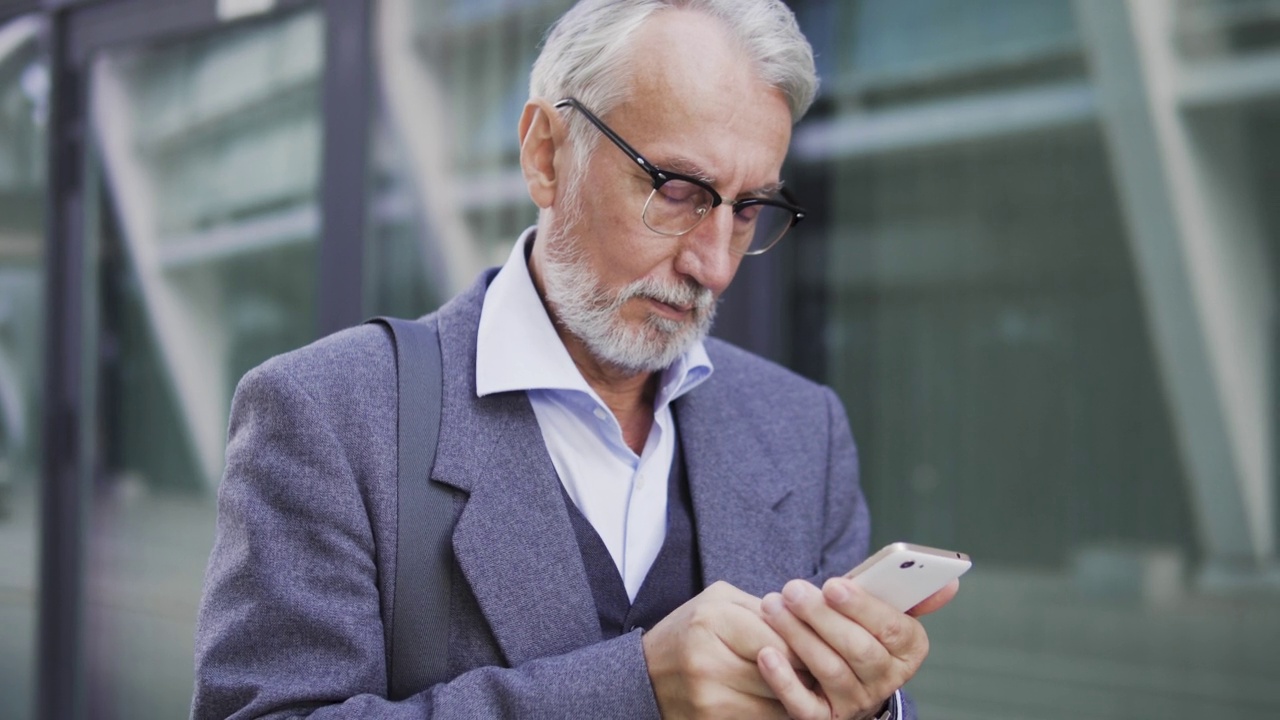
{"type": "Point", "coordinates": [631, 496]}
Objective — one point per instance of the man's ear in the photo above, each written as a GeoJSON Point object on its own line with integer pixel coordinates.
{"type": "Point", "coordinates": [541, 138]}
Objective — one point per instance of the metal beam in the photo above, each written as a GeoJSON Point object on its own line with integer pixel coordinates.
{"type": "Point", "coordinates": [344, 189]}
{"type": "Point", "coordinates": [1235, 81]}
{"type": "Point", "coordinates": [991, 116]}
{"type": "Point", "coordinates": [101, 25]}
{"type": "Point", "coordinates": [65, 466]}
{"type": "Point", "coordinates": [17, 33]}
{"type": "Point", "coordinates": [1208, 291]}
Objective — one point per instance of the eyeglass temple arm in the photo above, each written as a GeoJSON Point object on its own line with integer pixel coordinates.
{"type": "Point", "coordinates": [622, 144]}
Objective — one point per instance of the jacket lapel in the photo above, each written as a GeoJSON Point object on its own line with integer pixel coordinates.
{"type": "Point", "coordinates": [513, 540]}
{"type": "Point", "coordinates": [738, 491]}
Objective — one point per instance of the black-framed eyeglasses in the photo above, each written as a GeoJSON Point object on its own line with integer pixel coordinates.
{"type": "Point", "coordinates": [679, 202]}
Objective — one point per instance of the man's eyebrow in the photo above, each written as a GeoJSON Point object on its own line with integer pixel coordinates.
{"type": "Point", "coordinates": [685, 166]}
{"type": "Point", "coordinates": [766, 190]}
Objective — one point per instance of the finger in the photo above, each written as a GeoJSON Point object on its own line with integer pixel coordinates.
{"type": "Point", "coordinates": [901, 635]}
{"type": "Point", "coordinates": [936, 601]}
{"type": "Point", "coordinates": [743, 677]}
{"type": "Point", "coordinates": [744, 637]}
{"type": "Point", "coordinates": [799, 701]}
{"type": "Point", "coordinates": [796, 634]}
{"type": "Point", "coordinates": [745, 632]}
{"type": "Point", "coordinates": [724, 592]}
{"type": "Point", "coordinates": [847, 660]}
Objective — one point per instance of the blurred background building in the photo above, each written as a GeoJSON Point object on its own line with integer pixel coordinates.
{"type": "Point", "coordinates": [1040, 269]}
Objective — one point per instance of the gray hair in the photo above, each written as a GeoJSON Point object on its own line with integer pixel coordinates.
{"type": "Point", "coordinates": [585, 54]}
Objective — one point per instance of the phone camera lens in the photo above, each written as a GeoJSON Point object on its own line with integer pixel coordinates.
{"type": "Point", "coordinates": [907, 564]}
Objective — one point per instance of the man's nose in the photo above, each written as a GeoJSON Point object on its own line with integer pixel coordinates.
{"type": "Point", "coordinates": [705, 253]}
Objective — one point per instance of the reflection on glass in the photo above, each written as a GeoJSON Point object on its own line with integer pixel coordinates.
{"type": "Point", "coordinates": [447, 186]}
{"type": "Point", "coordinates": [23, 101]}
{"type": "Point", "coordinates": [208, 159]}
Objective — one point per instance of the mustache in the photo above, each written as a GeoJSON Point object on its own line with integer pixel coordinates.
{"type": "Point", "coordinates": [689, 293]}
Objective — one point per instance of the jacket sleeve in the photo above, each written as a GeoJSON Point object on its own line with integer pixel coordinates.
{"type": "Point", "coordinates": [290, 622]}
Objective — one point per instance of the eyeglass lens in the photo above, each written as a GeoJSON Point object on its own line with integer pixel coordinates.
{"type": "Point", "coordinates": [677, 206]}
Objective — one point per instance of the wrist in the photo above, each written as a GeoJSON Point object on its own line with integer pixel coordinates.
{"type": "Point", "coordinates": [892, 708]}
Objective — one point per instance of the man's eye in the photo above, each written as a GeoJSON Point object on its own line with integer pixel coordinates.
{"type": "Point", "coordinates": [679, 191]}
{"type": "Point", "coordinates": [748, 213]}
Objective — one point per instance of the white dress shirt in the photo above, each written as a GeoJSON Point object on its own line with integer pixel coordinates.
{"type": "Point", "coordinates": [622, 495]}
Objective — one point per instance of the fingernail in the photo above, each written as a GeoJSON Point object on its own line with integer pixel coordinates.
{"type": "Point", "coordinates": [771, 604]}
{"type": "Point", "coordinates": [771, 659]}
{"type": "Point", "coordinates": [837, 592]}
{"type": "Point", "coordinates": [796, 590]}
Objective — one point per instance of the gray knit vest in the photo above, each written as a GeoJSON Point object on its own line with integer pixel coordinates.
{"type": "Point", "coordinates": [673, 579]}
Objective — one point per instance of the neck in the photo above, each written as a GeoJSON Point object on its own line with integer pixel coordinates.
{"type": "Point", "coordinates": [629, 394]}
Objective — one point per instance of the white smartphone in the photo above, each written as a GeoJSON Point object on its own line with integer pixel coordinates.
{"type": "Point", "coordinates": [903, 574]}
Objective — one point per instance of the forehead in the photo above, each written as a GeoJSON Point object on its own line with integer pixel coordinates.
{"type": "Point", "coordinates": [695, 95]}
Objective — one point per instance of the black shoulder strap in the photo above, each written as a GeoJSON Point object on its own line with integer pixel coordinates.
{"type": "Point", "coordinates": [424, 517]}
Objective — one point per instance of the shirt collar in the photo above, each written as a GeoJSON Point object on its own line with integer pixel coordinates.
{"type": "Point", "coordinates": [517, 347]}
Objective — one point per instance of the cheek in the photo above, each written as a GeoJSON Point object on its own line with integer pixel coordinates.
{"type": "Point", "coordinates": [598, 200]}
{"type": "Point", "coordinates": [615, 242]}
{"type": "Point", "coordinates": [619, 246]}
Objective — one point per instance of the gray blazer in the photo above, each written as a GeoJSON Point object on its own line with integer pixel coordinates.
{"type": "Point", "coordinates": [297, 597]}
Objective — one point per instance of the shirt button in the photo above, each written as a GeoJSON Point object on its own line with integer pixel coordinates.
{"type": "Point", "coordinates": [600, 413]}
{"type": "Point", "coordinates": [640, 481]}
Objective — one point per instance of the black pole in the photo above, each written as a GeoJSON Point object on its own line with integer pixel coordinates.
{"type": "Point", "coordinates": [64, 476]}
{"type": "Point", "coordinates": [345, 168]}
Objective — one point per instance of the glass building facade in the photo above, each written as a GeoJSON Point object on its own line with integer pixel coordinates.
{"type": "Point", "coordinates": [23, 87]}
{"type": "Point", "coordinates": [1040, 269]}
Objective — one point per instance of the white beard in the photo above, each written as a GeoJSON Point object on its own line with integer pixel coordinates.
{"type": "Point", "coordinates": [592, 313]}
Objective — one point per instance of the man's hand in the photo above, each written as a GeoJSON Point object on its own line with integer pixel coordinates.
{"type": "Point", "coordinates": [702, 657]}
{"type": "Point", "coordinates": [857, 649]}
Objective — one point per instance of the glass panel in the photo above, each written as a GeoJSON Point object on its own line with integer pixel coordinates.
{"type": "Point", "coordinates": [997, 321]}
{"type": "Point", "coordinates": [1214, 28]}
{"type": "Point", "coordinates": [896, 41]}
{"type": "Point", "coordinates": [448, 197]}
{"type": "Point", "coordinates": [985, 298]}
{"type": "Point", "coordinates": [24, 89]}
{"type": "Point", "coordinates": [208, 156]}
